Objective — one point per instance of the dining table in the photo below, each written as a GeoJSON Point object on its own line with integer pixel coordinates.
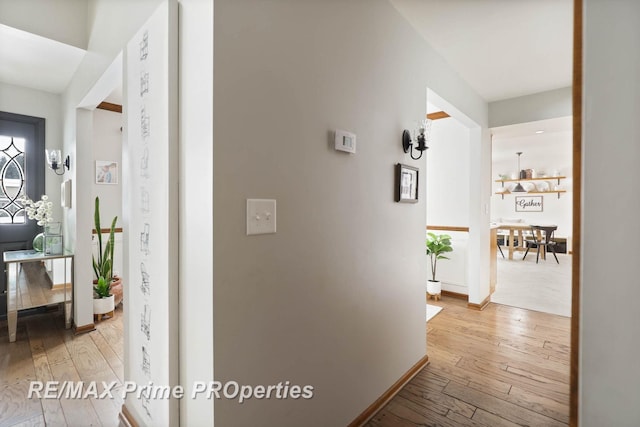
{"type": "Point", "coordinates": [520, 228]}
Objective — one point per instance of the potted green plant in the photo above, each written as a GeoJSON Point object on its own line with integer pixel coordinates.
{"type": "Point", "coordinates": [437, 246]}
{"type": "Point", "coordinates": [103, 301]}
{"type": "Point", "coordinates": [103, 264]}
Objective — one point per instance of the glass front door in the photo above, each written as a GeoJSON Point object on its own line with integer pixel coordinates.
{"type": "Point", "coordinates": [21, 172]}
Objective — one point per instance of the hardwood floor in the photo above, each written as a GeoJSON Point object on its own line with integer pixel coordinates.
{"type": "Point", "coordinates": [45, 351]}
{"type": "Point", "coordinates": [503, 366]}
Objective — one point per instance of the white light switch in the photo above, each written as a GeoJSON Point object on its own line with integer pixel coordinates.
{"type": "Point", "coordinates": [261, 216]}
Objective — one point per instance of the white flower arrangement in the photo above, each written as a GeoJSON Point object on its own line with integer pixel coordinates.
{"type": "Point", "coordinates": [41, 211]}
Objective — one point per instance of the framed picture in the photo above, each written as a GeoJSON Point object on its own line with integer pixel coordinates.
{"type": "Point", "coordinates": [528, 203]}
{"type": "Point", "coordinates": [106, 172]}
{"type": "Point", "coordinates": [406, 184]}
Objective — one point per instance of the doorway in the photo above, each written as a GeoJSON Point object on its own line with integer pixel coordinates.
{"type": "Point", "coordinates": [532, 279]}
{"type": "Point", "coordinates": [21, 173]}
{"type": "Point", "coordinates": [455, 160]}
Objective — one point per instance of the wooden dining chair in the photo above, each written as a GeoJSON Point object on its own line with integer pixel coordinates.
{"type": "Point", "coordinates": [541, 237]}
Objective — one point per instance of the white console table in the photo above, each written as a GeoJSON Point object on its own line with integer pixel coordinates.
{"type": "Point", "coordinates": [23, 293]}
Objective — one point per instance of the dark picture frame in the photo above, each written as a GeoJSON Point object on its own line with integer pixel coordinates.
{"type": "Point", "coordinates": [407, 179]}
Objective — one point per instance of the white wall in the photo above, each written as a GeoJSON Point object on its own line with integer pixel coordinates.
{"type": "Point", "coordinates": [107, 145]}
{"type": "Point", "coordinates": [36, 103]}
{"type": "Point", "coordinates": [78, 237]}
{"type": "Point", "coordinates": [531, 108]}
{"type": "Point", "coordinates": [547, 153]}
{"type": "Point", "coordinates": [454, 272]}
{"type": "Point", "coordinates": [479, 262]}
{"type": "Point", "coordinates": [448, 174]}
{"type": "Point", "coordinates": [479, 194]}
{"type": "Point", "coordinates": [324, 300]}
{"type": "Point", "coordinates": [111, 25]}
{"type": "Point", "coordinates": [196, 204]}
{"type": "Point", "coordinates": [448, 168]}
{"type": "Point", "coordinates": [153, 212]}
{"type": "Point", "coordinates": [609, 380]}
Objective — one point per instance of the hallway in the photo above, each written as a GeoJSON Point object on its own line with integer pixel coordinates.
{"type": "Point", "coordinates": [503, 366]}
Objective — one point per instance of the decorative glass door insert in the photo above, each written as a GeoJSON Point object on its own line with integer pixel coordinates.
{"type": "Point", "coordinates": [12, 179]}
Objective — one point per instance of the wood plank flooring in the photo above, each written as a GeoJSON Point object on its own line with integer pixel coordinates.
{"type": "Point", "coordinates": [45, 351]}
{"type": "Point", "coordinates": [503, 366]}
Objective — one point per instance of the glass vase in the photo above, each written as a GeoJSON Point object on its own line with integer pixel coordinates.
{"type": "Point", "coordinates": [38, 242]}
{"type": "Point", "coordinates": [52, 238]}
{"type": "Point", "coordinates": [52, 228]}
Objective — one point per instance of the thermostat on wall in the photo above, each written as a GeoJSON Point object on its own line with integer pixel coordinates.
{"type": "Point", "coordinates": [345, 141]}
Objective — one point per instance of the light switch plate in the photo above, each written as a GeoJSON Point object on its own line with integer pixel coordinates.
{"type": "Point", "coordinates": [261, 216]}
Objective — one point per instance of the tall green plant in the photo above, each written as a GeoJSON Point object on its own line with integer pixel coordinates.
{"type": "Point", "coordinates": [103, 266]}
{"type": "Point", "coordinates": [437, 246]}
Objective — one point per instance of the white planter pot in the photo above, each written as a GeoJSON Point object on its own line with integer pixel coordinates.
{"type": "Point", "coordinates": [434, 287]}
{"type": "Point", "coordinates": [103, 305]}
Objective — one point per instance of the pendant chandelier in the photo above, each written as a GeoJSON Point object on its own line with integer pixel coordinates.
{"type": "Point", "coordinates": [519, 188]}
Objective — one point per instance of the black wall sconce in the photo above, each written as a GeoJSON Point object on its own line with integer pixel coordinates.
{"type": "Point", "coordinates": [54, 159]}
{"type": "Point", "coordinates": [419, 142]}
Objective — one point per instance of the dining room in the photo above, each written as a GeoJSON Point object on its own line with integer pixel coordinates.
{"type": "Point", "coordinates": [531, 212]}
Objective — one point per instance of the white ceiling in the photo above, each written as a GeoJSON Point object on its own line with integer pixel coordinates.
{"type": "Point", "coordinates": [502, 48]}
{"type": "Point", "coordinates": [37, 62]}
{"type": "Point", "coordinates": [560, 124]}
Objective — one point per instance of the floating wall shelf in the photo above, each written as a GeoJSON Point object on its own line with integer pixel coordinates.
{"type": "Point", "coordinates": [532, 192]}
{"type": "Point", "coordinates": [546, 178]}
